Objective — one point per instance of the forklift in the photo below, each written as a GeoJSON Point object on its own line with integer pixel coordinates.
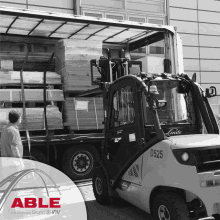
{"type": "Point", "coordinates": [161, 150]}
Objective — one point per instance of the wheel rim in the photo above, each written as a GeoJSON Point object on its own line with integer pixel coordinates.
{"type": "Point", "coordinates": [82, 163]}
{"type": "Point", "coordinates": [163, 213]}
{"type": "Point", "coordinates": [98, 185]}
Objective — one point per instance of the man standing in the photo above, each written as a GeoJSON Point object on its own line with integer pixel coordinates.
{"type": "Point", "coordinates": [11, 145]}
{"type": "Point", "coordinates": [11, 156]}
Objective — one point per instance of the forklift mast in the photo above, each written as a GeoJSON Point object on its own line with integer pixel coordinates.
{"type": "Point", "coordinates": [113, 69]}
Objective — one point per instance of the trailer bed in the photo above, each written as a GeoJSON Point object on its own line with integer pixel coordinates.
{"type": "Point", "coordinates": [64, 139]}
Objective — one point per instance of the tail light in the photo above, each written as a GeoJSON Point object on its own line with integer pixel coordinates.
{"type": "Point", "coordinates": [210, 183]}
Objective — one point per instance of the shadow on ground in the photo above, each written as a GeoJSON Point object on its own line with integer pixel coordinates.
{"type": "Point", "coordinates": [122, 211]}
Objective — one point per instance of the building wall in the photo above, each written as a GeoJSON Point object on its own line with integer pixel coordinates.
{"type": "Point", "coordinates": [133, 10]}
{"type": "Point", "coordinates": [58, 6]}
{"type": "Point", "coordinates": [198, 22]}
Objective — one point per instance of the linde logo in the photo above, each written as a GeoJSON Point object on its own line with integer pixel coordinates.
{"type": "Point", "coordinates": [174, 131]}
{"type": "Point", "coordinates": [32, 203]}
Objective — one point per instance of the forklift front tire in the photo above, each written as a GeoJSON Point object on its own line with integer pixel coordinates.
{"type": "Point", "coordinates": [170, 206]}
{"type": "Point", "coordinates": [100, 187]}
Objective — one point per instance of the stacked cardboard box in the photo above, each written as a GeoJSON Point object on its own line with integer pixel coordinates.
{"type": "Point", "coordinates": [73, 63]}
{"type": "Point", "coordinates": [84, 113]}
{"type": "Point", "coordinates": [13, 77]}
{"type": "Point", "coordinates": [35, 118]}
{"type": "Point", "coordinates": [31, 95]}
{"type": "Point", "coordinates": [10, 80]}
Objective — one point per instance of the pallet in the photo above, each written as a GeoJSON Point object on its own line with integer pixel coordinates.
{"type": "Point", "coordinates": [9, 45]}
{"type": "Point", "coordinates": [19, 56]}
{"type": "Point", "coordinates": [29, 86]}
{"type": "Point", "coordinates": [29, 77]}
{"type": "Point", "coordinates": [28, 40]}
{"type": "Point", "coordinates": [83, 132]}
{"type": "Point", "coordinates": [31, 105]}
{"type": "Point", "coordinates": [31, 95]}
{"type": "Point", "coordinates": [90, 92]}
{"type": "Point", "coordinates": [37, 133]}
{"type": "Point", "coordinates": [27, 104]}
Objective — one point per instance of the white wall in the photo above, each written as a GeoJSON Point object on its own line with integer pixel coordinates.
{"type": "Point", "coordinates": [134, 10]}
{"type": "Point", "coordinates": [59, 6]}
{"type": "Point", "coordinates": [198, 22]}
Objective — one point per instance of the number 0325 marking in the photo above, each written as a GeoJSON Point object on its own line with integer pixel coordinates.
{"type": "Point", "coordinates": [156, 153]}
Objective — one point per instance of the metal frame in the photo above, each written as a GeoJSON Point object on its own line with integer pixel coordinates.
{"type": "Point", "coordinates": [87, 25]}
{"type": "Point", "coordinates": [23, 97]}
{"type": "Point", "coordinates": [142, 42]}
{"type": "Point", "coordinates": [57, 29]}
{"type": "Point", "coordinates": [135, 37]}
{"type": "Point", "coordinates": [36, 26]}
{"type": "Point", "coordinates": [64, 19]}
{"type": "Point", "coordinates": [11, 24]}
{"type": "Point", "coordinates": [79, 19]}
{"type": "Point", "coordinates": [45, 109]}
{"type": "Point", "coordinates": [97, 32]}
{"type": "Point", "coordinates": [116, 34]}
{"type": "Point", "coordinates": [148, 47]}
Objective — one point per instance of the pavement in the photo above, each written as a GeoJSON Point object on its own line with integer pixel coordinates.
{"type": "Point", "coordinates": [123, 211]}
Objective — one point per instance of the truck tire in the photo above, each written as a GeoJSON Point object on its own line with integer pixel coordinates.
{"type": "Point", "coordinates": [170, 206]}
{"type": "Point", "coordinates": [100, 187]}
{"type": "Point", "coordinates": [38, 155]}
{"type": "Point", "coordinates": [78, 162]}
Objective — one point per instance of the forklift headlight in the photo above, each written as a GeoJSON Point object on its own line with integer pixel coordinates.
{"type": "Point", "coordinates": [185, 156]}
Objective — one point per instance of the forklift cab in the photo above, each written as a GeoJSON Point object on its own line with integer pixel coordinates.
{"type": "Point", "coordinates": [143, 113]}
{"type": "Point", "coordinates": [132, 104]}
{"type": "Point", "coordinates": [123, 129]}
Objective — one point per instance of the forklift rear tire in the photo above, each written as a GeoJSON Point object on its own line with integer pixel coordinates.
{"type": "Point", "coordinates": [100, 187]}
{"type": "Point", "coordinates": [170, 206]}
